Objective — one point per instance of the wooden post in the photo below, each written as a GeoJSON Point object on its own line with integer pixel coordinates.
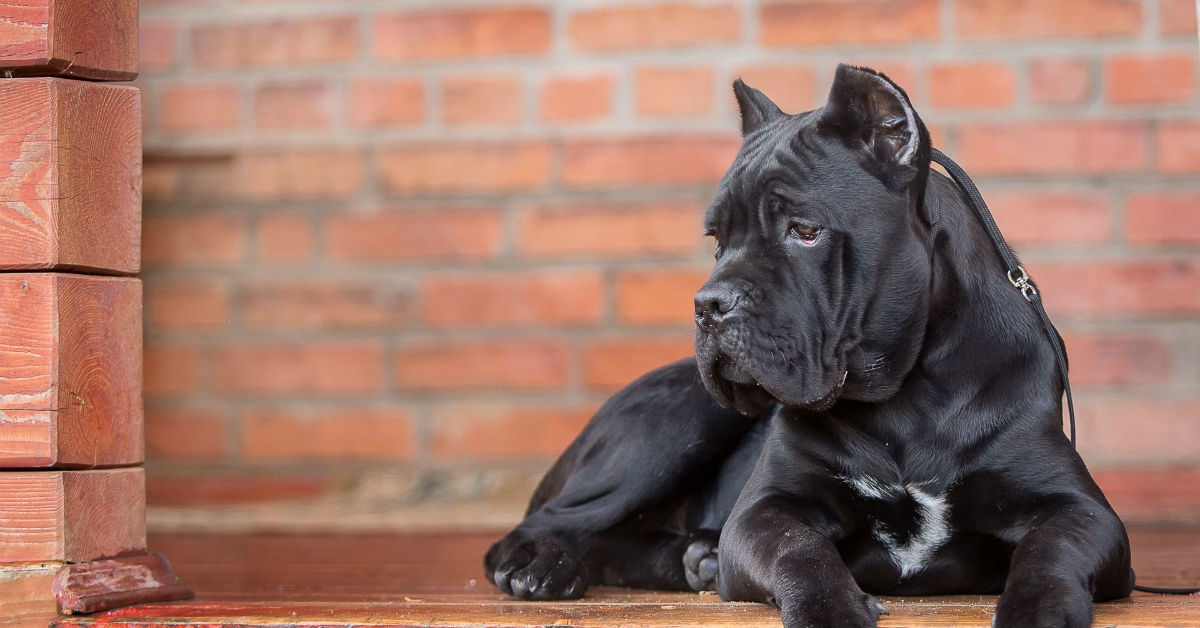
{"type": "Point", "coordinates": [72, 488]}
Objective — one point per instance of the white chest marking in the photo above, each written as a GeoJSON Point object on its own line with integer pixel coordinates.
{"type": "Point", "coordinates": [933, 529]}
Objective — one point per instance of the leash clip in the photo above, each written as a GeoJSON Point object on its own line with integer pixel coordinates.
{"type": "Point", "coordinates": [1023, 282]}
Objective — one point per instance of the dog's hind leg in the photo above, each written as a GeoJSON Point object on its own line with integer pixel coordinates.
{"type": "Point", "coordinates": [653, 444]}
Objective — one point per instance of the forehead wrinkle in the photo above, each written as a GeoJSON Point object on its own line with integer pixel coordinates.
{"type": "Point", "coordinates": [781, 150]}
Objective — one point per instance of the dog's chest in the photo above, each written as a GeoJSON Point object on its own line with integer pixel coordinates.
{"type": "Point", "coordinates": [912, 521]}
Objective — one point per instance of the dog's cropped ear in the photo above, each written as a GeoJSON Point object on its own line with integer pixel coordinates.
{"type": "Point", "coordinates": [875, 118]}
{"type": "Point", "coordinates": [755, 107]}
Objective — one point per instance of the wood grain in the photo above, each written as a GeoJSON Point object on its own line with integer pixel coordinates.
{"type": "Point", "coordinates": [70, 175]}
{"type": "Point", "coordinates": [73, 516]}
{"type": "Point", "coordinates": [70, 371]}
{"type": "Point", "coordinates": [92, 39]}
{"type": "Point", "coordinates": [25, 595]}
{"type": "Point", "coordinates": [100, 585]}
{"type": "Point", "coordinates": [436, 580]}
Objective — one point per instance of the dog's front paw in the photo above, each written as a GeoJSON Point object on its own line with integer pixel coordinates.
{"type": "Point", "coordinates": [700, 561]}
{"type": "Point", "coordinates": [851, 609]}
{"type": "Point", "coordinates": [535, 568]}
{"type": "Point", "coordinates": [807, 598]}
{"type": "Point", "coordinates": [1044, 603]}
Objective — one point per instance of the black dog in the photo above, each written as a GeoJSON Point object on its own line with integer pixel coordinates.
{"type": "Point", "coordinates": [909, 439]}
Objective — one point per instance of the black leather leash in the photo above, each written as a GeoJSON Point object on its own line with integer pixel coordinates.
{"type": "Point", "coordinates": [1015, 272]}
{"type": "Point", "coordinates": [1023, 282]}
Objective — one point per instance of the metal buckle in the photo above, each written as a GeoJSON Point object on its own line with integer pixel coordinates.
{"type": "Point", "coordinates": [1023, 282]}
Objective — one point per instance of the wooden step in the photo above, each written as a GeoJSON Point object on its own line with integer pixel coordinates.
{"type": "Point", "coordinates": [436, 579]}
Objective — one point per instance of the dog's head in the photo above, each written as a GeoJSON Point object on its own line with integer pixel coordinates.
{"type": "Point", "coordinates": [820, 288]}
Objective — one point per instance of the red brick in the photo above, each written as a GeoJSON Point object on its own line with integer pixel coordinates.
{"type": "Point", "coordinates": [277, 43]}
{"type": "Point", "coordinates": [1051, 217]}
{"type": "Point", "coordinates": [1059, 81]}
{"type": "Point", "coordinates": [199, 107]}
{"type": "Point", "coordinates": [303, 105]}
{"type": "Point", "coordinates": [1151, 494]}
{"type": "Point", "coordinates": [1104, 289]}
{"type": "Point", "coordinates": [674, 91]}
{"type": "Point", "coordinates": [187, 304]}
{"type": "Point", "coordinates": [611, 364]}
{"type": "Point", "coordinates": [1179, 146]}
{"type": "Point", "coordinates": [230, 488]}
{"type": "Point", "coordinates": [1163, 218]}
{"type": "Point", "coordinates": [383, 102]}
{"type": "Point", "coordinates": [284, 238]}
{"type": "Point", "coordinates": [524, 299]}
{"type": "Point", "coordinates": [322, 304]}
{"type": "Point", "coordinates": [792, 87]}
{"type": "Point", "coordinates": [664, 25]}
{"type": "Point", "coordinates": [461, 33]}
{"type": "Point", "coordinates": [577, 98]}
{"type": "Point", "coordinates": [1177, 17]}
{"type": "Point", "coordinates": [171, 370]}
{"type": "Point", "coordinates": [460, 167]}
{"type": "Point", "coordinates": [482, 365]}
{"type": "Point", "coordinates": [488, 431]}
{"type": "Point", "coordinates": [1155, 429]}
{"type": "Point", "coordinates": [1032, 19]}
{"type": "Point", "coordinates": [975, 85]}
{"type": "Point", "coordinates": [414, 235]}
{"type": "Point", "coordinates": [647, 159]}
{"type": "Point", "coordinates": [848, 22]}
{"type": "Point", "coordinates": [609, 230]}
{"type": "Point", "coordinates": [658, 296]}
{"type": "Point", "coordinates": [175, 434]}
{"type": "Point", "coordinates": [161, 181]}
{"type": "Point", "coordinates": [1117, 359]}
{"type": "Point", "coordinates": [1147, 79]}
{"type": "Point", "coordinates": [204, 239]}
{"type": "Point", "coordinates": [347, 433]}
{"type": "Point", "coordinates": [481, 100]}
{"type": "Point", "coordinates": [329, 367]}
{"type": "Point", "coordinates": [1053, 147]}
{"type": "Point", "coordinates": [156, 45]}
{"type": "Point", "coordinates": [299, 174]}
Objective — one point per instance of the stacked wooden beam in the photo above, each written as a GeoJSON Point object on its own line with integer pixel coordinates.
{"type": "Point", "coordinates": [72, 488]}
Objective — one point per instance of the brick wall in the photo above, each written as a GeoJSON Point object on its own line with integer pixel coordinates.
{"type": "Point", "coordinates": [414, 244]}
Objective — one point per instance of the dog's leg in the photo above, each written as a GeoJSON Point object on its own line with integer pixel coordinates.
{"type": "Point", "coordinates": [652, 560]}
{"type": "Point", "coordinates": [655, 441]}
{"type": "Point", "coordinates": [1070, 555]}
{"type": "Point", "coordinates": [775, 550]}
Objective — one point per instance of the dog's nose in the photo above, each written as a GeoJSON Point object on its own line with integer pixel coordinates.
{"type": "Point", "coordinates": [714, 303]}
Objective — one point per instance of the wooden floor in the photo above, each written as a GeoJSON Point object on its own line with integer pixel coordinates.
{"type": "Point", "coordinates": [435, 580]}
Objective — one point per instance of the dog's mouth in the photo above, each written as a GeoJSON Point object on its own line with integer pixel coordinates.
{"type": "Point", "coordinates": [734, 386]}
{"type": "Point", "coordinates": [732, 372]}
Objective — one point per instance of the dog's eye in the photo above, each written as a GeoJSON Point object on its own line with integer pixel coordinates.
{"type": "Point", "coordinates": [805, 233]}
{"type": "Point", "coordinates": [716, 242]}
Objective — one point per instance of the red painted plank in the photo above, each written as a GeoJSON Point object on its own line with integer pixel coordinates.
{"type": "Point", "coordinates": [73, 516]}
{"type": "Point", "coordinates": [70, 370]}
{"type": "Point", "coordinates": [25, 597]}
{"type": "Point", "coordinates": [100, 585]}
{"type": "Point", "coordinates": [70, 175]}
{"type": "Point", "coordinates": [79, 38]}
